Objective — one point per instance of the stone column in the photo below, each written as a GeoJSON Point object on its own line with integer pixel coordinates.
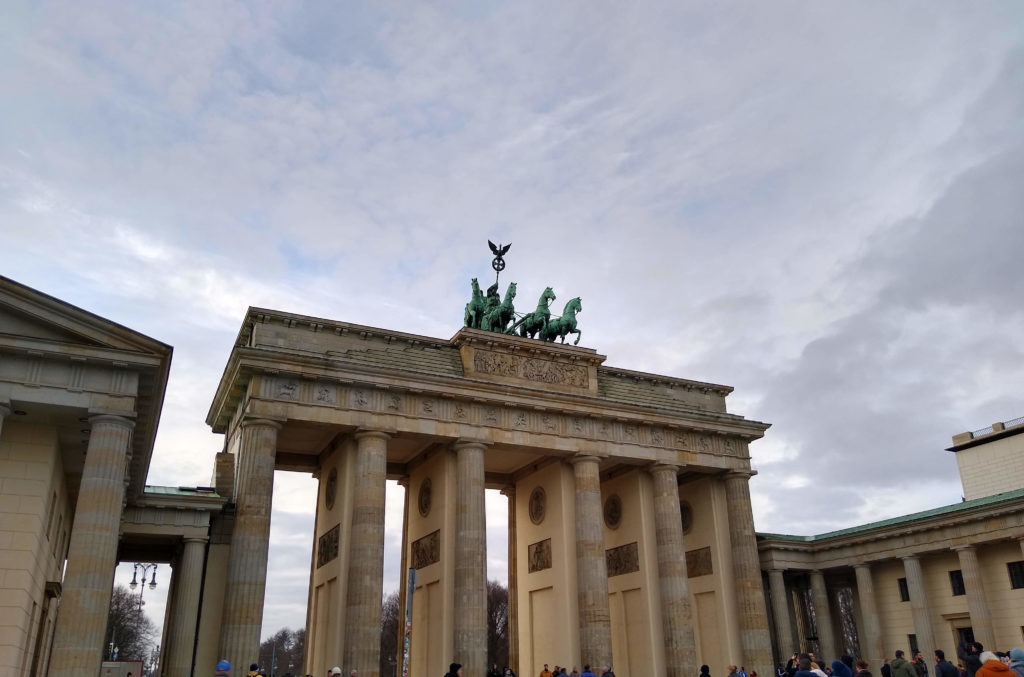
{"type": "Point", "coordinates": [755, 642]}
{"type": "Point", "coordinates": [513, 586]}
{"type": "Point", "coordinates": [366, 556]}
{"type": "Point", "coordinates": [919, 604]}
{"type": "Point", "coordinates": [872, 632]}
{"type": "Point", "coordinates": [470, 560]}
{"type": "Point", "coordinates": [92, 554]}
{"type": "Point", "coordinates": [780, 611]}
{"type": "Point", "coordinates": [250, 540]}
{"type": "Point", "coordinates": [674, 585]}
{"type": "Point", "coordinates": [591, 566]}
{"type": "Point", "coordinates": [823, 619]}
{"type": "Point", "coordinates": [184, 614]}
{"type": "Point", "coordinates": [977, 605]}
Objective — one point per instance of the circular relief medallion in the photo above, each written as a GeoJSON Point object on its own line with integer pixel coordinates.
{"type": "Point", "coordinates": [686, 512]}
{"type": "Point", "coordinates": [538, 504]}
{"type": "Point", "coordinates": [331, 489]}
{"type": "Point", "coordinates": [423, 500]}
{"type": "Point", "coordinates": [613, 511]}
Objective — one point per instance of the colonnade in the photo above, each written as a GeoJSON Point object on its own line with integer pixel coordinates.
{"type": "Point", "coordinates": [870, 631]}
{"type": "Point", "coordinates": [79, 637]}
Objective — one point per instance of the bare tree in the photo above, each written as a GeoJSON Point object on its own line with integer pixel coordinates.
{"type": "Point", "coordinates": [497, 624]}
{"type": "Point", "coordinates": [128, 627]}
{"type": "Point", "coordinates": [390, 625]}
{"type": "Point", "coordinates": [283, 652]}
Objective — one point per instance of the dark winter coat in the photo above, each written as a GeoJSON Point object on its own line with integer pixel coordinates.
{"type": "Point", "coordinates": [902, 668]}
{"type": "Point", "coordinates": [946, 669]}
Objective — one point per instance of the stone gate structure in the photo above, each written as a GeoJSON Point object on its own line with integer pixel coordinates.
{"type": "Point", "coordinates": [631, 536]}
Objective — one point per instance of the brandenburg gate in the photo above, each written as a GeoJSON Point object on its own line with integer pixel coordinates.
{"type": "Point", "coordinates": [631, 538]}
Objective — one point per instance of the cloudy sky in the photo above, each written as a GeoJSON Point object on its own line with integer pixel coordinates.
{"type": "Point", "coordinates": [817, 203]}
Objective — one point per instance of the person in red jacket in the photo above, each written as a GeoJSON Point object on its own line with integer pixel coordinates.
{"type": "Point", "coordinates": [991, 666]}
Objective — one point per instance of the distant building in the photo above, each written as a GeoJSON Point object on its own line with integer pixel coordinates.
{"type": "Point", "coordinates": [924, 581]}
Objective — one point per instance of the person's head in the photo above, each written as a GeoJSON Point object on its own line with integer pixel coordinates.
{"type": "Point", "coordinates": [805, 663]}
{"type": "Point", "coordinates": [732, 668]}
{"type": "Point", "coordinates": [987, 656]}
{"type": "Point", "coordinates": [899, 653]}
{"type": "Point", "coordinates": [336, 670]}
{"type": "Point", "coordinates": [545, 666]}
{"type": "Point", "coordinates": [223, 667]}
{"type": "Point", "coordinates": [918, 656]}
{"type": "Point", "coordinates": [254, 667]}
{"type": "Point", "coordinates": [586, 667]}
{"type": "Point", "coordinates": [862, 664]}
{"type": "Point", "coordinates": [1016, 655]}
{"type": "Point", "coordinates": [351, 674]}
{"type": "Point", "coordinates": [455, 669]}
{"type": "Point", "coordinates": [705, 670]}
{"type": "Point", "coordinates": [977, 648]}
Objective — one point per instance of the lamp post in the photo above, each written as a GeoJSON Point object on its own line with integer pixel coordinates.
{"type": "Point", "coordinates": [145, 568]}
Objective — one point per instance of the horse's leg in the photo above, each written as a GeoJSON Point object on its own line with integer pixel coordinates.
{"type": "Point", "coordinates": [579, 335]}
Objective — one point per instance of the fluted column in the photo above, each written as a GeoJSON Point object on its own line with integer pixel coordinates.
{"type": "Point", "coordinates": [823, 619]}
{"type": "Point", "coordinates": [366, 556]}
{"type": "Point", "coordinates": [470, 560]}
{"type": "Point", "coordinates": [513, 583]}
{"type": "Point", "coordinates": [780, 612]}
{"type": "Point", "coordinates": [181, 636]}
{"type": "Point", "coordinates": [250, 542]}
{"type": "Point", "coordinates": [92, 553]}
{"type": "Point", "coordinates": [872, 647]}
{"type": "Point", "coordinates": [977, 605]}
{"type": "Point", "coordinates": [674, 585]}
{"type": "Point", "coordinates": [919, 605]}
{"type": "Point", "coordinates": [591, 566]}
{"type": "Point", "coordinates": [755, 642]}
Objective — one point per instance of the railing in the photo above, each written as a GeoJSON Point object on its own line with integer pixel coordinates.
{"type": "Point", "coordinates": [992, 428]}
{"type": "Point", "coordinates": [1013, 422]}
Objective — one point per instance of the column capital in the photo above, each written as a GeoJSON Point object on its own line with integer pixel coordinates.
{"type": "Point", "coordinates": [255, 420]}
{"type": "Point", "coordinates": [403, 481]}
{"type": "Point", "coordinates": [366, 433]}
{"type": "Point", "coordinates": [740, 474]}
{"type": "Point", "coordinates": [195, 539]}
{"type": "Point", "coordinates": [910, 558]}
{"type": "Point", "coordinates": [112, 419]}
{"type": "Point", "coordinates": [469, 443]}
{"type": "Point", "coordinates": [662, 466]}
{"type": "Point", "coordinates": [584, 458]}
{"type": "Point", "coordinates": [862, 565]}
{"type": "Point", "coordinates": [966, 547]}
{"type": "Point", "coordinates": [509, 491]}
{"type": "Point", "coordinates": [779, 570]}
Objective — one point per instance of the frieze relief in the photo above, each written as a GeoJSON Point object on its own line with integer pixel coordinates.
{"type": "Point", "coordinates": [530, 368]}
{"type": "Point", "coordinates": [624, 559]}
{"type": "Point", "coordinates": [389, 401]}
{"type": "Point", "coordinates": [426, 550]}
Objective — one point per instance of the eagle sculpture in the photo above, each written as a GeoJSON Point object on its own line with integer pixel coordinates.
{"type": "Point", "coordinates": [499, 250]}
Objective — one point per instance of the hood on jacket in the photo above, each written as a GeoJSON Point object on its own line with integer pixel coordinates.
{"type": "Point", "coordinates": [840, 669]}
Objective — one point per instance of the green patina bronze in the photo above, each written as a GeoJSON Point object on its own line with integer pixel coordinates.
{"type": "Point", "coordinates": [535, 322]}
{"type": "Point", "coordinates": [492, 313]}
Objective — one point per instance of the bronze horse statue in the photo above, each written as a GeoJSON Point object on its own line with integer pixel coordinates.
{"type": "Point", "coordinates": [534, 322]}
{"type": "Point", "coordinates": [476, 307]}
{"type": "Point", "coordinates": [566, 324]}
{"type": "Point", "coordinates": [498, 317]}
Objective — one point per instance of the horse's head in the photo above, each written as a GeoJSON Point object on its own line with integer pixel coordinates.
{"type": "Point", "coordinates": [476, 286]}
{"type": "Point", "coordinates": [574, 305]}
{"type": "Point", "coordinates": [511, 293]}
{"type": "Point", "coordinates": [548, 295]}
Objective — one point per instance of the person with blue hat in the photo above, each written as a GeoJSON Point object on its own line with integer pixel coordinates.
{"type": "Point", "coordinates": [223, 669]}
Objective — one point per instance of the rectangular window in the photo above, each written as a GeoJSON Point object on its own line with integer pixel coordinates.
{"type": "Point", "coordinates": [904, 590]}
{"type": "Point", "coordinates": [912, 641]}
{"type": "Point", "coordinates": [1016, 574]}
{"type": "Point", "coordinates": [956, 582]}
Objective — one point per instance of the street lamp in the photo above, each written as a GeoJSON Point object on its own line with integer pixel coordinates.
{"type": "Point", "coordinates": [145, 568]}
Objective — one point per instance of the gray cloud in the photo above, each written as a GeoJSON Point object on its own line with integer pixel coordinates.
{"type": "Point", "coordinates": [817, 205]}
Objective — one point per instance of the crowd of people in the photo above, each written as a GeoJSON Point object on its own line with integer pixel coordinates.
{"type": "Point", "coordinates": [974, 661]}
